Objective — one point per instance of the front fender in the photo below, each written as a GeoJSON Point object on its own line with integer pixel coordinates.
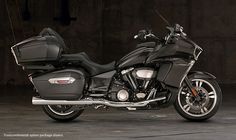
{"type": "Point", "coordinates": [200, 74]}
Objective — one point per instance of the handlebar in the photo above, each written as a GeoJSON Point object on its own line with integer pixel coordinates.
{"type": "Point", "coordinates": [174, 32]}
{"type": "Point", "coordinates": [143, 35]}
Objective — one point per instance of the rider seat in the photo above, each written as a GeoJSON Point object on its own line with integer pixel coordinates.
{"type": "Point", "coordinates": [83, 60]}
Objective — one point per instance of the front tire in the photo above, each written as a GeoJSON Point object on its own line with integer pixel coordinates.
{"type": "Point", "coordinates": [211, 98]}
{"type": "Point", "coordinates": [62, 113]}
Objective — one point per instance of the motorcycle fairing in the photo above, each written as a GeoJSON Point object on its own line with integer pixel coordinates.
{"type": "Point", "coordinates": [175, 60]}
{"type": "Point", "coordinates": [182, 48]}
{"type": "Point", "coordinates": [173, 71]}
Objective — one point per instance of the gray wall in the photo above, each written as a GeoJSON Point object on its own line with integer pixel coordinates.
{"type": "Point", "coordinates": [104, 29]}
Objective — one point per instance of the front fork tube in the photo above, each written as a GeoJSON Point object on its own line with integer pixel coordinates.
{"type": "Point", "coordinates": [192, 88]}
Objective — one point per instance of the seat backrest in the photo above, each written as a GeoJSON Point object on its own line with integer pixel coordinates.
{"type": "Point", "coordinates": [50, 32]}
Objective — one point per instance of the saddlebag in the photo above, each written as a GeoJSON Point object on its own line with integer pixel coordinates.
{"type": "Point", "coordinates": [65, 84]}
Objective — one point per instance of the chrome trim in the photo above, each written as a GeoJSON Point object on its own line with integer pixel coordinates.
{"type": "Point", "coordinates": [131, 108]}
{"type": "Point", "coordinates": [12, 51]}
{"type": "Point", "coordinates": [197, 55]}
{"type": "Point", "coordinates": [144, 73]}
{"type": "Point", "coordinates": [91, 101]}
{"type": "Point", "coordinates": [152, 92]}
{"type": "Point", "coordinates": [132, 81]}
{"type": "Point", "coordinates": [140, 95]}
{"type": "Point", "coordinates": [68, 80]}
{"type": "Point", "coordinates": [186, 73]}
{"type": "Point", "coordinates": [126, 71]}
{"type": "Point", "coordinates": [60, 113]}
{"type": "Point", "coordinates": [122, 95]}
{"type": "Point", "coordinates": [204, 113]}
{"type": "Point", "coordinates": [97, 95]}
{"type": "Point", "coordinates": [146, 84]}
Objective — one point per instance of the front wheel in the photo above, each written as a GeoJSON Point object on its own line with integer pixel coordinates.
{"type": "Point", "coordinates": [199, 110]}
{"type": "Point", "coordinates": [62, 113]}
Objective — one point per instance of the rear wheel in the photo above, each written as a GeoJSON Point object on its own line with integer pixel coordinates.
{"type": "Point", "coordinates": [62, 112]}
{"type": "Point", "coordinates": [199, 110]}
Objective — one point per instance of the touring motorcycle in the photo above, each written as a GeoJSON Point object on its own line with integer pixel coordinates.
{"type": "Point", "coordinates": [153, 76]}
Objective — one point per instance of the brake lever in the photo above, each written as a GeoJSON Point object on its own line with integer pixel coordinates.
{"type": "Point", "coordinates": [136, 36]}
{"type": "Point", "coordinates": [150, 35]}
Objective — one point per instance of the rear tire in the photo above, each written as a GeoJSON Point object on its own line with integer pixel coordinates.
{"type": "Point", "coordinates": [61, 113]}
{"type": "Point", "coordinates": [212, 98]}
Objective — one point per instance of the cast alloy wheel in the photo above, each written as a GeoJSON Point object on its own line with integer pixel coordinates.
{"type": "Point", "coordinates": [197, 110]}
{"type": "Point", "coordinates": [62, 112]}
{"type": "Point", "coordinates": [61, 109]}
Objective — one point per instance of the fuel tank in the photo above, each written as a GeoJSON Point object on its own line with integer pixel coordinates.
{"type": "Point", "coordinates": [138, 56]}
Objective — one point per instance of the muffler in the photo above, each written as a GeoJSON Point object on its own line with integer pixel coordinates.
{"type": "Point", "coordinates": [91, 101]}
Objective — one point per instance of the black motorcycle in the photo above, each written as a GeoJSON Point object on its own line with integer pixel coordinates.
{"type": "Point", "coordinates": [155, 75]}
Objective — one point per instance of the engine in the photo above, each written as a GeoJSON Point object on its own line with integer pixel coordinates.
{"type": "Point", "coordinates": [119, 92]}
{"type": "Point", "coordinates": [133, 84]}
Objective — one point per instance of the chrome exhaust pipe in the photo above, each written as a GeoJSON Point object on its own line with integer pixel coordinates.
{"type": "Point", "coordinates": [91, 101]}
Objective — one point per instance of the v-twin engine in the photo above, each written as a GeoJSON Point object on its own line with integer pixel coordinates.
{"type": "Point", "coordinates": [135, 87]}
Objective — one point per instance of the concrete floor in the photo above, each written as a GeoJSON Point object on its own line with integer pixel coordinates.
{"type": "Point", "coordinates": [19, 117]}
